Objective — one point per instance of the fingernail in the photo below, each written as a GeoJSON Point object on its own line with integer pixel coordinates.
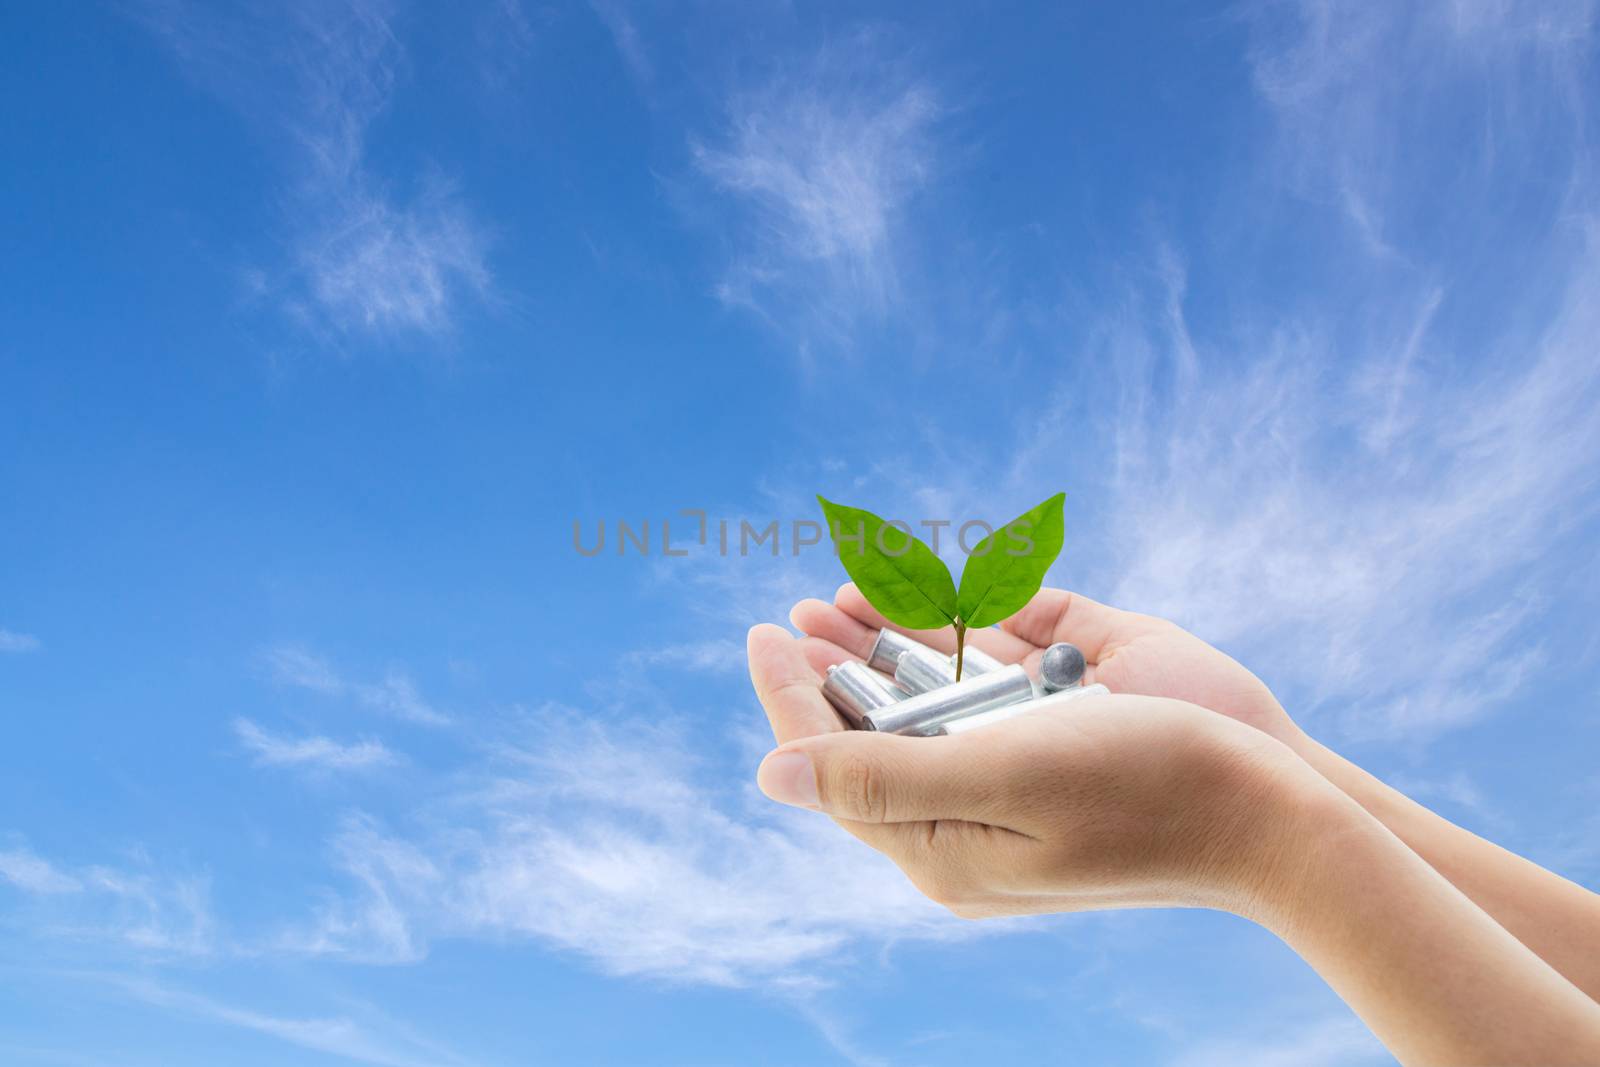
{"type": "Point", "coordinates": [788, 778]}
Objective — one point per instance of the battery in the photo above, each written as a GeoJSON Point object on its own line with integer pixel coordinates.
{"type": "Point", "coordinates": [1010, 711]}
{"type": "Point", "coordinates": [1061, 667]}
{"type": "Point", "coordinates": [925, 712]}
{"type": "Point", "coordinates": [855, 689]}
{"type": "Point", "coordinates": [922, 670]}
{"type": "Point", "coordinates": [887, 649]}
{"type": "Point", "coordinates": [976, 661]}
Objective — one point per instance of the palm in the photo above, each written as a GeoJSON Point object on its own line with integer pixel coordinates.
{"type": "Point", "coordinates": [1127, 652]}
{"type": "Point", "coordinates": [1157, 658]}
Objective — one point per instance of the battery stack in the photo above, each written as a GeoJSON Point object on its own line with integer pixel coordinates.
{"type": "Point", "coordinates": [905, 687]}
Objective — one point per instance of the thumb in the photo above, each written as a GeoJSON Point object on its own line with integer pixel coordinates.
{"type": "Point", "coordinates": [877, 778]}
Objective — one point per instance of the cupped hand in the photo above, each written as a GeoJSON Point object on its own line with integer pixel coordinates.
{"type": "Point", "coordinates": [1126, 652]}
{"type": "Point", "coordinates": [1123, 802]}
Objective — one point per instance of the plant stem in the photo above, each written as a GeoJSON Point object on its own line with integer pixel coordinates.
{"type": "Point", "coordinates": [961, 645]}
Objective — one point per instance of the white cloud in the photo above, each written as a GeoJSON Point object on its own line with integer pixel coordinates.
{"type": "Point", "coordinates": [292, 665]}
{"type": "Point", "coordinates": [376, 924]}
{"type": "Point", "coordinates": [1357, 495]}
{"type": "Point", "coordinates": [154, 912]}
{"type": "Point", "coordinates": [1388, 572]}
{"type": "Point", "coordinates": [11, 641]}
{"type": "Point", "coordinates": [506, 36]}
{"type": "Point", "coordinates": [382, 1042]}
{"type": "Point", "coordinates": [825, 162]}
{"type": "Point", "coordinates": [395, 694]}
{"type": "Point", "coordinates": [613, 845]}
{"type": "Point", "coordinates": [367, 259]}
{"type": "Point", "coordinates": [1362, 92]}
{"type": "Point", "coordinates": [719, 655]}
{"type": "Point", "coordinates": [312, 751]}
{"type": "Point", "coordinates": [1459, 790]}
{"type": "Point", "coordinates": [383, 267]}
{"type": "Point", "coordinates": [625, 35]}
{"type": "Point", "coordinates": [32, 874]}
{"type": "Point", "coordinates": [1333, 1042]}
{"type": "Point", "coordinates": [1572, 845]}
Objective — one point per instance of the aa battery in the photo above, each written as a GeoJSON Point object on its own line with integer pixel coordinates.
{"type": "Point", "coordinates": [975, 661]}
{"type": "Point", "coordinates": [1061, 667]}
{"type": "Point", "coordinates": [887, 649]}
{"type": "Point", "coordinates": [924, 712]}
{"type": "Point", "coordinates": [1010, 711]}
{"type": "Point", "coordinates": [922, 670]}
{"type": "Point", "coordinates": [855, 689]}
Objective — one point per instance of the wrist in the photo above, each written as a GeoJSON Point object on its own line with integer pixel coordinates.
{"type": "Point", "coordinates": [1268, 810]}
{"type": "Point", "coordinates": [1304, 823]}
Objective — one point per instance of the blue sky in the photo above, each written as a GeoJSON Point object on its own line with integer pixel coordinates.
{"type": "Point", "coordinates": [322, 323]}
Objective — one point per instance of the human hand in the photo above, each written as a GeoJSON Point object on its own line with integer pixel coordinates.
{"type": "Point", "coordinates": [1123, 802]}
{"type": "Point", "coordinates": [1126, 652]}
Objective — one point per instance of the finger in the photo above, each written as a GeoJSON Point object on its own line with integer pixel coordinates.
{"type": "Point", "coordinates": [821, 619]}
{"type": "Point", "coordinates": [952, 859]}
{"type": "Point", "coordinates": [1057, 615]}
{"type": "Point", "coordinates": [822, 654]}
{"type": "Point", "coordinates": [1005, 647]}
{"type": "Point", "coordinates": [897, 840]}
{"type": "Point", "coordinates": [787, 687]}
{"type": "Point", "coordinates": [883, 778]}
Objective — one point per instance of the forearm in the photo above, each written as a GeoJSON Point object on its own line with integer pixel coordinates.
{"type": "Point", "coordinates": [1559, 920]}
{"type": "Point", "coordinates": [1436, 978]}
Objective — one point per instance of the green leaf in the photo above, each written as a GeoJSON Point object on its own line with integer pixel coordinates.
{"type": "Point", "coordinates": [898, 574]}
{"type": "Point", "coordinates": [1005, 569]}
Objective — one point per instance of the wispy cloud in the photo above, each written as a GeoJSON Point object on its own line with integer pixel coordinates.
{"type": "Point", "coordinates": [380, 1041]}
{"type": "Point", "coordinates": [1357, 494]}
{"type": "Point", "coordinates": [11, 641]}
{"type": "Point", "coordinates": [625, 34]}
{"type": "Point", "coordinates": [1380, 571]}
{"type": "Point", "coordinates": [1460, 792]}
{"type": "Point", "coordinates": [1572, 846]}
{"type": "Point", "coordinates": [1334, 1042]}
{"type": "Point", "coordinates": [134, 905]}
{"type": "Point", "coordinates": [1362, 92]}
{"type": "Point", "coordinates": [617, 843]}
{"type": "Point", "coordinates": [312, 751]}
{"type": "Point", "coordinates": [506, 36]}
{"type": "Point", "coordinates": [716, 655]}
{"type": "Point", "coordinates": [395, 694]}
{"type": "Point", "coordinates": [823, 162]}
{"type": "Point", "coordinates": [368, 259]}
{"type": "Point", "coordinates": [614, 845]}
{"type": "Point", "coordinates": [33, 874]}
{"type": "Point", "coordinates": [379, 266]}
{"type": "Point", "coordinates": [292, 665]}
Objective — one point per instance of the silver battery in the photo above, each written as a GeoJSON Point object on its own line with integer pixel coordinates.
{"type": "Point", "coordinates": [975, 661]}
{"type": "Point", "coordinates": [922, 670]}
{"type": "Point", "coordinates": [887, 649]}
{"type": "Point", "coordinates": [855, 689]}
{"type": "Point", "coordinates": [1011, 711]}
{"type": "Point", "coordinates": [1061, 668]}
{"type": "Point", "coordinates": [924, 712]}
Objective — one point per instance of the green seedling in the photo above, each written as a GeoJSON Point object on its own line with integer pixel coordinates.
{"type": "Point", "coordinates": [910, 586]}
